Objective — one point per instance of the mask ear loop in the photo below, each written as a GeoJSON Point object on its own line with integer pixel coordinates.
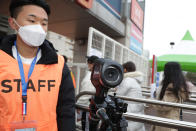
{"type": "Point", "coordinates": [16, 22]}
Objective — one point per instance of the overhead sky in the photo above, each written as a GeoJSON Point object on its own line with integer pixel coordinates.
{"type": "Point", "coordinates": [167, 21]}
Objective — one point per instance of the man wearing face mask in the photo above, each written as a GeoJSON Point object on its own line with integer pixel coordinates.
{"type": "Point", "coordinates": [36, 89]}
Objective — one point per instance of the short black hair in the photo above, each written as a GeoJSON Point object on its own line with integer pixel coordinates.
{"type": "Point", "coordinates": [16, 6]}
{"type": "Point", "coordinates": [129, 66]}
{"type": "Point", "coordinates": [91, 59]}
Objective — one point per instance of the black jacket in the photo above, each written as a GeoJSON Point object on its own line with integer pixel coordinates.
{"type": "Point", "coordinates": [66, 100]}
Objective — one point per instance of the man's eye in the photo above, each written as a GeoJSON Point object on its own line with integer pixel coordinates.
{"type": "Point", "coordinates": [32, 21]}
{"type": "Point", "coordinates": [44, 24]}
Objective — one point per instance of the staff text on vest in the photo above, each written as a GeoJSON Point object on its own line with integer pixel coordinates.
{"type": "Point", "coordinates": [6, 85]}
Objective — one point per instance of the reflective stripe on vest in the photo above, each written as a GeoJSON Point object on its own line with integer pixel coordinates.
{"type": "Point", "coordinates": [42, 90]}
{"type": "Point", "coordinates": [73, 79]}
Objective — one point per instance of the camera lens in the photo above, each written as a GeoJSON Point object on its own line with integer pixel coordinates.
{"type": "Point", "coordinates": [108, 75]}
{"type": "Point", "coordinates": [111, 74]}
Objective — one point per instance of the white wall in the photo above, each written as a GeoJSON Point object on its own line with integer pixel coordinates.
{"type": "Point", "coordinates": [63, 44]}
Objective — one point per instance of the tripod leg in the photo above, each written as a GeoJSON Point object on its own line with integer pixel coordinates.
{"type": "Point", "coordinates": [93, 125]}
{"type": "Point", "coordinates": [123, 124]}
{"type": "Point", "coordinates": [83, 120]}
{"type": "Point", "coordinates": [105, 127]}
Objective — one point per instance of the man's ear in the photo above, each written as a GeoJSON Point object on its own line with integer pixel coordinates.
{"type": "Point", "coordinates": [12, 23]}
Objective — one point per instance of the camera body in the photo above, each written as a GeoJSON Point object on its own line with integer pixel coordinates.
{"type": "Point", "coordinates": [107, 74]}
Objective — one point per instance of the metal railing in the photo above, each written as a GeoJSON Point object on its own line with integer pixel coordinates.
{"type": "Point", "coordinates": [190, 126]}
{"type": "Point", "coordinates": [148, 101]}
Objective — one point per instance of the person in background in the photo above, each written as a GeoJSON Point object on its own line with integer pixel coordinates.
{"type": "Point", "coordinates": [86, 85]}
{"type": "Point", "coordinates": [174, 89]}
{"type": "Point", "coordinates": [131, 87]}
{"type": "Point", "coordinates": [36, 88]}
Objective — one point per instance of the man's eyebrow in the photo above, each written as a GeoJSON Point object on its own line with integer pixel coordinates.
{"type": "Point", "coordinates": [32, 15]}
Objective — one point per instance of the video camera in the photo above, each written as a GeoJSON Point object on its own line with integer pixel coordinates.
{"type": "Point", "coordinates": [107, 74]}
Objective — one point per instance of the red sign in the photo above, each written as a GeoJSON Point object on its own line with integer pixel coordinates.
{"type": "Point", "coordinates": [85, 3]}
{"type": "Point", "coordinates": [137, 14]}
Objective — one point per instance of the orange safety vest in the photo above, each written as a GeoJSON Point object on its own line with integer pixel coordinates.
{"type": "Point", "coordinates": [42, 93]}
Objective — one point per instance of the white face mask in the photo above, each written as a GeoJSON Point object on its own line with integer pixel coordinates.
{"type": "Point", "coordinates": [32, 35]}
